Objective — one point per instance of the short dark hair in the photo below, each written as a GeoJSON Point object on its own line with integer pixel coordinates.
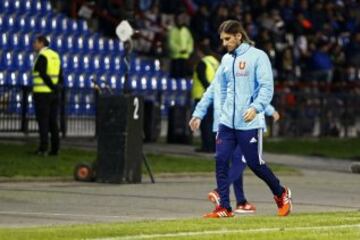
{"type": "Point", "coordinates": [235, 27]}
{"type": "Point", "coordinates": [43, 40]}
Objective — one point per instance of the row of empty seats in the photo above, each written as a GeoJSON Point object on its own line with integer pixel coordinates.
{"type": "Point", "coordinates": [50, 23]}
{"type": "Point", "coordinates": [79, 63]}
{"type": "Point", "coordinates": [28, 6]}
{"type": "Point", "coordinates": [63, 43]}
{"type": "Point", "coordinates": [148, 82]}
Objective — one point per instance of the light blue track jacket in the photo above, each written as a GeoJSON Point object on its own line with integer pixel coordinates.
{"type": "Point", "coordinates": [244, 79]}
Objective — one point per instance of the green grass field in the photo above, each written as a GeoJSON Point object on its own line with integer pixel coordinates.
{"type": "Point", "coordinates": [319, 226]}
{"type": "Point", "coordinates": [16, 161]}
{"type": "Point", "coordinates": [324, 147]}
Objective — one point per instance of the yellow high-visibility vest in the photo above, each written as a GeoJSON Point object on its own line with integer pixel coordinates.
{"type": "Point", "coordinates": [211, 64]}
{"type": "Point", "coordinates": [53, 70]}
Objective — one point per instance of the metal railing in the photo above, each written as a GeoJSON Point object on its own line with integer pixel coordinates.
{"type": "Point", "coordinates": [302, 114]}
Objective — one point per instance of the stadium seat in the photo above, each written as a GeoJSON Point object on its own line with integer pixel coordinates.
{"type": "Point", "coordinates": [95, 64]}
{"type": "Point", "coordinates": [25, 41]}
{"type": "Point", "coordinates": [65, 62]}
{"type": "Point", "coordinates": [2, 77]}
{"type": "Point", "coordinates": [4, 41]}
{"type": "Point", "coordinates": [69, 43]}
{"type": "Point", "coordinates": [83, 27]}
{"type": "Point", "coordinates": [15, 43]}
{"type": "Point", "coordinates": [32, 23]}
{"type": "Point", "coordinates": [6, 6]}
{"type": "Point", "coordinates": [3, 26]}
{"type": "Point", "coordinates": [31, 107]}
{"type": "Point", "coordinates": [25, 79]}
{"type": "Point", "coordinates": [29, 59]}
{"type": "Point", "coordinates": [64, 24]}
{"type": "Point", "coordinates": [69, 79]}
{"type": "Point", "coordinates": [74, 63]}
{"type": "Point", "coordinates": [106, 63]}
{"type": "Point", "coordinates": [117, 64]}
{"type": "Point", "coordinates": [92, 43]}
{"type": "Point", "coordinates": [20, 61]}
{"type": "Point", "coordinates": [11, 23]}
{"type": "Point", "coordinates": [116, 81]}
{"type": "Point", "coordinates": [18, 6]}
{"type": "Point", "coordinates": [85, 61]}
{"type": "Point", "coordinates": [7, 61]}
{"type": "Point", "coordinates": [80, 44]}
{"type": "Point", "coordinates": [44, 25]}
{"type": "Point", "coordinates": [58, 44]}
{"type": "Point", "coordinates": [11, 78]}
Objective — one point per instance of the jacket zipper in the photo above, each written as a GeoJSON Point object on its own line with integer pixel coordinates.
{"type": "Point", "coordinates": [234, 90]}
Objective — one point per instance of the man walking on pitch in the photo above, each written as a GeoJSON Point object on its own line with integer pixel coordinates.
{"type": "Point", "coordinates": [246, 87]}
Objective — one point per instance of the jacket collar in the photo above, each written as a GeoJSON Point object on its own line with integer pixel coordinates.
{"type": "Point", "coordinates": [241, 49]}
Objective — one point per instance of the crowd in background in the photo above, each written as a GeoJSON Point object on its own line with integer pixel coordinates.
{"type": "Point", "coordinates": [313, 45]}
{"type": "Point", "coordinates": [314, 42]}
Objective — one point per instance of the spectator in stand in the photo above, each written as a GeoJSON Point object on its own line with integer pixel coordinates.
{"type": "Point", "coordinates": [287, 66]}
{"type": "Point", "coordinates": [353, 57]}
{"type": "Point", "coordinates": [322, 66]}
{"type": "Point", "coordinates": [200, 23]}
{"type": "Point", "coordinates": [181, 46]}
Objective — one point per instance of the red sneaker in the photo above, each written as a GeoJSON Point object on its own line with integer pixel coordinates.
{"type": "Point", "coordinates": [214, 197]}
{"type": "Point", "coordinates": [284, 203]}
{"type": "Point", "coordinates": [219, 212]}
{"type": "Point", "coordinates": [245, 208]}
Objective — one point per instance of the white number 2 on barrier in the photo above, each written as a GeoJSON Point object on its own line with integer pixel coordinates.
{"type": "Point", "coordinates": [136, 110]}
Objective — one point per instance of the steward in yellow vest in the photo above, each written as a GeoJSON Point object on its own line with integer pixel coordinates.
{"type": "Point", "coordinates": [47, 77]}
{"type": "Point", "coordinates": [203, 75]}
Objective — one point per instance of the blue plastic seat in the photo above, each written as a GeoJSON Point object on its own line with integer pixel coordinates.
{"type": "Point", "coordinates": [69, 43]}
{"type": "Point", "coordinates": [15, 42]}
{"type": "Point", "coordinates": [95, 64]}
{"type": "Point", "coordinates": [18, 6]}
{"type": "Point", "coordinates": [92, 43]}
{"type": "Point", "coordinates": [58, 43]}
{"type": "Point", "coordinates": [23, 22]}
{"type": "Point", "coordinates": [7, 61]}
{"type": "Point", "coordinates": [74, 63]}
{"type": "Point", "coordinates": [106, 63]}
{"type": "Point", "coordinates": [2, 77]}
{"type": "Point", "coordinates": [26, 41]}
{"type": "Point", "coordinates": [25, 79]}
{"type": "Point", "coordinates": [3, 25]}
{"type": "Point", "coordinates": [80, 44]}
{"type": "Point", "coordinates": [64, 24]}
{"type": "Point", "coordinates": [102, 44]}
{"type": "Point", "coordinates": [20, 61]}
{"type": "Point", "coordinates": [114, 81]}
{"type": "Point", "coordinates": [32, 23]}
{"type": "Point", "coordinates": [6, 6]}
{"type": "Point", "coordinates": [30, 59]}
{"type": "Point", "coordinates": [41, 7]}
{"type": "Point", "coordinates": [73, 27]}
{"type": "Point", "coordinates": [85, 62]}
{"type": "Point", "coordinates": [31, 107]}
{"type": "Point", "coordinates": [83, 27]}
{"type": "Point", "coordinates": [44, 25]}
{"type": "Point", "coordinates": [4, 41]}
{"type": "Point", "coordinates": [69, 79]}
{"type": "Point", "coordinates": [117, 64]}
{"type": "Point", "coordinates": [11, 78]}
{"type": "Point", "coordinates": [65, 62]}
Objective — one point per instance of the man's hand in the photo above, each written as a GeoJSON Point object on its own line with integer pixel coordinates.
{"type": "Point", "coordinates": [249, 114]}
{"type": "Point", "coordinates": [276, 116]}
{"type": "Point", "coordinates": [194, 123]}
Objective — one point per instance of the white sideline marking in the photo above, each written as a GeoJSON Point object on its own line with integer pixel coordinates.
{"type": "Point", "coordinates": [217, 232]}
{"type": "Point", "coordinates": [59, 214]}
